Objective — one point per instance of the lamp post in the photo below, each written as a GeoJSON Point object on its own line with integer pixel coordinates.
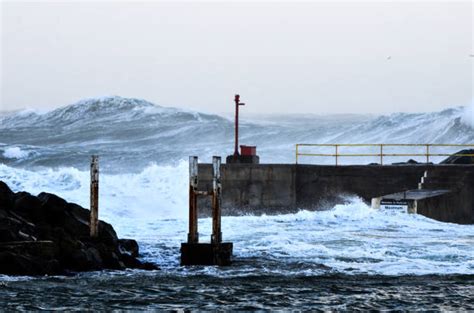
{"type": "Point", "coordinates": [237, 104]}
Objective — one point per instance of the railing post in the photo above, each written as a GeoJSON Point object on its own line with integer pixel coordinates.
{"type": "Point", "coordinates": [381, 154]}
{"type": "Point", "coordinates": [193, 235]}
{"type": "Point", "coordinates": [94, 197]}
{"type": "Point", "coordinates": [427, 153]}
{"type": "Point", "coordinates": [216, 200]}
{"type": "Point", "coordinates": [296, 153]}
{"type": "Point", "coordinates": [336, 154]}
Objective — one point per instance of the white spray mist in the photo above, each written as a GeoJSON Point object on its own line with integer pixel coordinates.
{"type": "Point", "coordinates": [468, 115]}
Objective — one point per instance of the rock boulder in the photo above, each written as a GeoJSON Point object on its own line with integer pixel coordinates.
{"type": "Point", "coordinates": [47, 235]}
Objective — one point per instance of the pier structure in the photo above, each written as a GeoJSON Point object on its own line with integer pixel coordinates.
{"type": "Point", "coordinates": [215, 252]}
{"type": "Point", "coordinates": [444, 192]}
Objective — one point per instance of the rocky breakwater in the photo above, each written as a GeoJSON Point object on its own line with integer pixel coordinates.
{"type": "Point", "coordinates": [45, 234]}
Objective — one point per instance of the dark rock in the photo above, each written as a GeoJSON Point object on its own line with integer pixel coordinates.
{"type": "Point", "coordinates": [454, 159]}
{"type": "Point", "coordinates": [27, 205]}
{"type": "Point", "coordinates": [78, 212]}
{"type": "Point", "coordinates": [52, 203]}
{"type": "Point", "coordinates": [128, 246]}
{"type": "Point", "coordinates": [114, 260]}
{"type": "Point", "coordinates": [52, 208]}
{"type": "Point", "coordinates": [29, 258]}
{"type": "Point", "coordinates": [76, 227]}
{"type": "Point", "coordinates": [15, 264]}
{"type": "Point", "coordinates": [47, 235]}
{"type": "Point", "coordinates": [107, 234]}
{"type": "Point", "coordinates": [149, 266]}
{"type": "Point", "coordinates": [6, 195]}
{"type": "Point", "coordinates": [7, 233]}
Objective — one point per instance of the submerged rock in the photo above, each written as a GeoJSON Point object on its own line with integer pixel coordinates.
{"type": "Point", "coordinates": [47, 235]}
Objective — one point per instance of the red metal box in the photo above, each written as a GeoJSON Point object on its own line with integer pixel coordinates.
{"type": "Point", "coordinates": [248, 150]}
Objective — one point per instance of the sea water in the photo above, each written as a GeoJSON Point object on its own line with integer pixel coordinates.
{"type": "Point", "coordinates": [350, 256]}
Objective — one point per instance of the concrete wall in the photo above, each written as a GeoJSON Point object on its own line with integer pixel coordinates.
{"type": "Point", "coordinates": [324, 186]}
{"type": "Point", "coordinates": [261, 188]}
{"type": "Point", "coordinates": [284, 188]}
{"type": "Point", "coordinates": [455, 207]}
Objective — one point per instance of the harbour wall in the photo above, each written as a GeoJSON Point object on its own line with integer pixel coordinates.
{"type": "Point", "coordinates": [287, 188]}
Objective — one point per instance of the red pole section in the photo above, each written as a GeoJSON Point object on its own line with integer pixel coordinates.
{"type": "Point", "coordinates": [237, 103]}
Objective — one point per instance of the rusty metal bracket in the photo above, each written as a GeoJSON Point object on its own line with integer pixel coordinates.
{"type": "Point", "coordinates": [215, 194]}
{"type": "Point", "coordinates": [216, 236]}
{"type": "Point", "coordinates": [193, 235]}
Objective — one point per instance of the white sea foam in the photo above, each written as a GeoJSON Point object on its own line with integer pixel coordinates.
{"type": "Point", "coordinates": [156, 192]}
{"type": "Point", "coordinates": [351, 239]}
{"type": "Point", "coordinates": [151, 206]}
{"type": "Point", "coordinates": [15, 153]}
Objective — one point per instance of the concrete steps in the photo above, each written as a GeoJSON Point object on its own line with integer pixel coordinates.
{"type": "Point", "coordinates": [442, 179]}
{"type": "Point", "coordinates": [434, 184]}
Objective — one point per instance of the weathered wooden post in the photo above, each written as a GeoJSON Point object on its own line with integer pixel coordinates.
{"type": "Point", "coordinates": [216, 200]}
{"type": "Point", "coordinates": [94, 194]}
{"type": "Point", "coordinates": [193, 235]}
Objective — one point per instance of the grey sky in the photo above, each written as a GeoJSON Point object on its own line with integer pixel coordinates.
{"type": "Point", "coordinates": [317, 57]}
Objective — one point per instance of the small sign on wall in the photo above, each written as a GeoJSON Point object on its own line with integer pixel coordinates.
{"type": "Point", "coordinates": [398, 205]}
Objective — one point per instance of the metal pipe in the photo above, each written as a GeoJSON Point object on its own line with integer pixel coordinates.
{"type": "Point", "coordinates": [237, 104]}
{"type": "Point", "coordinates": [193, 235]}
{"type": "Point", "coordinates": [296, 152]}
{"type": "Point", "coordinates": [94, 197]}
{"type": "Point", "coordinates": [381, 154]}
{"type": "Point", "coordinates": [202, 193]}
{"type": "Point", "coordinates": [216, 236]}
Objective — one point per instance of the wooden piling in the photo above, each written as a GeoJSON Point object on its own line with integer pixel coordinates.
{"type": "Point", "coordinates": [193, 235]}
{"type": "Point", "coordinates": [216, 236]}
{"type": "Point", "coordinates": [94, 195]}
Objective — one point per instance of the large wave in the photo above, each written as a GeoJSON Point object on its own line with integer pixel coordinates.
{"type": "Point", "coordinates": [130, 134]}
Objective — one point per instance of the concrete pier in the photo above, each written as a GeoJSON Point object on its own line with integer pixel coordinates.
{"type": "Point", "coordinates": [285, 188]}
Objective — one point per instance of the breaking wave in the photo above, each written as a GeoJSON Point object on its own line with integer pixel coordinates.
{"type": "Point", "coordinates": [151, 206]}
{"type": "Point", "coordinates": [129, 134]}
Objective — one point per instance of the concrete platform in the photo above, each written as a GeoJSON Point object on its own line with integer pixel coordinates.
{"type": "Point", "coordinates": [206, 253]}
{"type": "Point", "coordinates": [406, 200]}
{"type": "Point", "coordinates": [415, 194]}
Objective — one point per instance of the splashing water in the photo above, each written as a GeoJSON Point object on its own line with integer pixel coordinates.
{"type": "Point", "coordinates": [15, 153]}
{"type": "Point", "coordinates": [468, 116]}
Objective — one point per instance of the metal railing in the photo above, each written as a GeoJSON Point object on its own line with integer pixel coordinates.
{"type": "Point", "coordinates": [380, 149]}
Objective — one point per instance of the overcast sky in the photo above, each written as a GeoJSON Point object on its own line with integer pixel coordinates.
{"type": "Point", "coordinates": [315, 57]}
